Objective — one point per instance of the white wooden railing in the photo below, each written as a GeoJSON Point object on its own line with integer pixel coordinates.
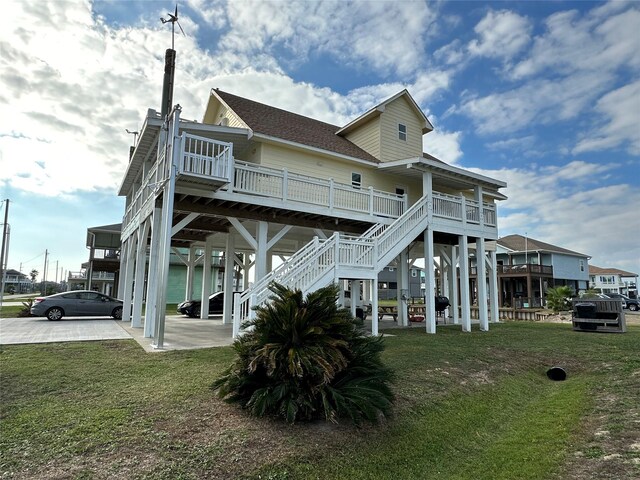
{"type": "Point", "coordinates": [283, 185]}
{"type": "Point", "coordinates": [372, 250]}
{"type": "Point", "coordinates": [205, 158]}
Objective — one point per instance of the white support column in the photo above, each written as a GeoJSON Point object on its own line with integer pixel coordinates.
{"type": "Point", "coordinates": [152, 278]}
{"type": "Point", "coordinates": [356, 293]}
{"type": "Point", "coordinates": [493, 288]}
{"type": "Point", "coordinates": [481, 282]}
{"type": "Point", "coordinates": [430, 282]}
{"type": "Point", "coordinates": [261, 250]}
{"type": "Point", "coordinates": [229, 259]}
{"type": "Point", "coordinates": [123, 263]}
{"type": "Point", "coordinates": [191, 266]}
{"type": "Point", "coordinates": [354, 299]}
{"type": "Point", "coordinates": [374, 307]}
{"type": "Point", "coordinates": [206, 278]}
{"type": "Point", "coordinates": [164, 257]}
{"type": "Point", "coordinates": [141, 267]}
{"type": "Point", "coordinates": [128, 278]}
{"type": "Point", "coordinates": [367, 291]}
{"type": "Point", "coordinates": [465, 299]}
{"type": "Point", "coordinates": [453, 286]}
{"type": "Point", "coordinates": [246, 266]}
{"type": "Point", "coordinates": [402, 280]}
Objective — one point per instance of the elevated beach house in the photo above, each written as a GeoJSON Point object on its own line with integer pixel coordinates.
{"type": "Point", "coordinates": [322, 203]}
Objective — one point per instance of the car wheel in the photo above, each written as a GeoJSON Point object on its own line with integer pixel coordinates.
{"type": "Point", "coordinates": [196, 312]}
{"type": "Point", "coordinates": [633, 307]}
{"type": "Point", "coordinates": [54, 313]}
{"type": "Point", "coordinates": [117, 313]}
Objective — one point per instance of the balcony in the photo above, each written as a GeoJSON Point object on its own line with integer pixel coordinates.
{"type": "Point", "coordinates": [208, 166]}
{"type": "Point", "coordinates": [528, 269]}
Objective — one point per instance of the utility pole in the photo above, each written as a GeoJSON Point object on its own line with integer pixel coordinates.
{"type": "Point", "coordinates": [2, 248]}
{"type": "Point", "coordinates": [44, 274]}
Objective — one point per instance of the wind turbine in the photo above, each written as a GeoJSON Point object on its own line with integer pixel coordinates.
{"type": "Point", "coordinates": [173, 19]}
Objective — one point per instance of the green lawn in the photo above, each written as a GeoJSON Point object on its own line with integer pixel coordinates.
{"type": "Point", "coordinates": [468, 406]}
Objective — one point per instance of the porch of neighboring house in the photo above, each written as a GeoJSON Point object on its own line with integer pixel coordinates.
{"type": "Point", "coordinates": [524, 286]}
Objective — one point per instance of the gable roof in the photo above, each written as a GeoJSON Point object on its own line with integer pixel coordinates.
{"type": "Point", "coordinates": [281, 124]}
{"type": "Point", "coordinates": [518, 243]}
{"type": "Point", "coordinates": [593, 270]}
{"type": "Point", "coordinates": [378, 109]}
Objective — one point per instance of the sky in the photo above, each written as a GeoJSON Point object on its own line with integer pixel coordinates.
{"type": "Point", "coordinates": [542, 95]}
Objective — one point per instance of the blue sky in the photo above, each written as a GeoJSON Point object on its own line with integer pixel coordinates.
{"type": "Point", "coordinates": [542, 95]}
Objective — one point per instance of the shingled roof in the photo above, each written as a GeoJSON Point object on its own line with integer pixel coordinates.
{"type": "Point", "coordinates": [593, 270]}
{"type": "Point", "coordinates": [275, 122]}
{"type": "Point", "coordinates": [518, 243]}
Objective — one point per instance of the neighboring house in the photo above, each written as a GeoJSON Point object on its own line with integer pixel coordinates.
{"type": "Point", "coordinates": [612, 280]}
{"type": "Point", "coordinates": [17, 282]}
{"type": "Point", "coordinates": [388, 283]}
{"type": "Point", "coordinates": [333, 203]}
{"type": "Point", "coordinates": [101, 273]}
{"type": "Point", "coordinates": [528, 267]}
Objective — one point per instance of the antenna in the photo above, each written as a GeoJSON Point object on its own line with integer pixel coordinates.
{"type": "Point", "coordinates": [135, 135]}
{"type": "Point", "coordinates": [173, 19]}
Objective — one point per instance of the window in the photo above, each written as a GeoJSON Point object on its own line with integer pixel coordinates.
{"type": "Point", "coordinates": [414, 272]}
{"type": "Point", "coordinates": [402, 132]}
{"type": "Point", "coordinates": [582, 265]}
{"type": "Point", "coordinates": [356, 180]}
{"type": "Point", "coordinates": [393, 285]}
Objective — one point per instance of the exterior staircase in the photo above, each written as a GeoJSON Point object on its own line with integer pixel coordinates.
{"type": "Point", "coordinates": [321, 262]}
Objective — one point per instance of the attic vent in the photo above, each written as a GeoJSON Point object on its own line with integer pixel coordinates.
{"type": "Point", "coordinates": [224, 122]}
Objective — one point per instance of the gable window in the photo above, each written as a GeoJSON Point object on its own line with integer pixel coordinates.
{"type": "Point", "coordinates": [356, 180]}
{"type": "Point", "coordinates": [582, 265]}
{"type": "Point", "coordinates": [414, 273]}
{"type": "Point", "coordinates": [402, 132]}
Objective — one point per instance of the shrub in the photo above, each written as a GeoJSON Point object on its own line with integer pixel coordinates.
{"type": "Point", "coordinates": [559, 298]}
{"type": "Point", "coordinates": [306, 358]}
{"type": "Point", "coordinates": [26, 308]}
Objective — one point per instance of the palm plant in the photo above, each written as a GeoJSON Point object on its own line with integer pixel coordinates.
{"type": "Point", "coordinates": [305, 358]}
{"type": "Point", "coordinates": [559, 298]}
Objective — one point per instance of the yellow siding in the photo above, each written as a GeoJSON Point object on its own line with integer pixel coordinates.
{"type": "Point", "coordinates": [367, 137]}
{"type": "Point", "coordinates": [216, 112]}
{"type": "Point", "coordinates": [392, 148]}
{"type": "Point", "coordinates": [320, 166]}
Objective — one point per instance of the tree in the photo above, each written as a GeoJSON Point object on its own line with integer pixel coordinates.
{"type": "Point", "coordinates": [306, 358]}
{"type": "Point", "coordinates": [559, 298]}
{"type": "Point", "coordinates": [33, 274]}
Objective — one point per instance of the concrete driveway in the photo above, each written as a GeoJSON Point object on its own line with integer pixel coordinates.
{"type": "Point", "coordinates": [69, 329]}
{"type": "Point", "coordinates": [181, 333]}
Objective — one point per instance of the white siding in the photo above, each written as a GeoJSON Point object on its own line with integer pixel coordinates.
{"type": "Point", "coordinates": [391, 147]}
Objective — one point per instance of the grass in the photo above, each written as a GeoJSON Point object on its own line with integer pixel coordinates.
{"type": "Point", "coordinates": [469, 406]}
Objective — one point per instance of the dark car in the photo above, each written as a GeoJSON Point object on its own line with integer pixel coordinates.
{"type": "Point", "coordinates": [77, 303]}
{"type": "Point", "coordinates": [191, 308]}
{"type": "Point", "coordinates": [630, 303]}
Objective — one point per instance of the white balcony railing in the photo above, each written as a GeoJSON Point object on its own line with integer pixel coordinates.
{"type": "Point", "coordinates": [281, 184]}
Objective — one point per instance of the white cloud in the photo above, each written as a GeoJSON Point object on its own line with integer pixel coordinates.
{"type": "Point", "coordinates": [539, 101]}
{"type": "Point", "coordinates": [443, 145]}
{"type": "Point", "coordinates": [621, 109]}
{"type": "Point", "coordinates": [502, 34]}
{"type": "Point", "coordinates": [588, 44]}
{"type": "Point", "coordinates": [384, 35]}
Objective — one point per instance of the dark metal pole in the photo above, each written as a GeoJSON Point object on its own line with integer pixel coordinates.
{"type": "Point", "coordinates": [4, 237]}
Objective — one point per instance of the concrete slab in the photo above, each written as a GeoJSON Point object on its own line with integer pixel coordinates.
{"type": "Point", "coordinates": [69, 329]}
{"type": "Point", "coordinates": [183, 333]}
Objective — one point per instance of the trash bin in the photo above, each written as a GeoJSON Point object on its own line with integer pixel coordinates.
{"type": "Point", "coordinates": [586, 310]}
